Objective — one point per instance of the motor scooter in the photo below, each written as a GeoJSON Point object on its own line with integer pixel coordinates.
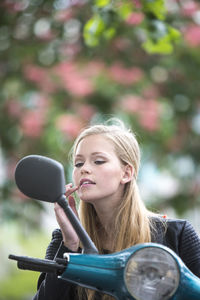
{"type": "Point", "coordinates": [147, 271]}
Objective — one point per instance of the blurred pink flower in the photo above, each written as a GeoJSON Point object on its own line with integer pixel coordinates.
{"type": "Point", "coordinates": [125, 76]}
{"type": "Point", "coordinates": [73, 79]}
{"type": "Point", "coordinates": [192, 35]}
{"type": "Point", "coordinates": [149, 115]}
{"type": "Point", "coordinates": [151, 92]}
{"type": "Point", "coordinates": [93, 68]}
{"type": "Point", "coordinates": [131, 103]}
{"type": "Point", "coordinates": [79, 86]}
{"type": "Point", "coordinates": [20, 6]}
{"type": "Point", "coordinates": [47, 36]}
{"type": "Point", "coordinates": [32, 123]}
{"type": "Point", "coordinates": [147, 110]}
{"type": "Point", "coordinates": [63, 15]}
{"type": "Point", "coordinates": [85, 111]}
{"type": "Point", "coordinates": [69, 50]}
{"type": "Point", "coordinates": [10, 6]}
{"type": "Point", "coordinates": [121, 44]}
{"type": "Point", "coordinates": [13, 108]}
{"type": "Point", "coordinates": [189, 8]}
{"type": "Point", "coordinates": [40, 76]}
{"type": "Point", "coordinates": [137, 3]}
{"type": "Point", "coordinates": [63, 69]}
{"type": "Point", "coordinates": [34, 73]}
{"type": "Point", "coordinates": [70, 125]}
{"type": "Point", "coordinates": [135, 18]}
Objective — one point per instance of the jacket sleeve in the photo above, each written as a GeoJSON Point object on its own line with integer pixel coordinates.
{"type": "Point", "coordinates": [189, 248]}
{"type": "Point", "coordinates": [49, 286]}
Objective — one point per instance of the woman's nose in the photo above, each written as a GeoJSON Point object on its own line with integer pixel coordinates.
{"type": "Point", "coordinates": [85, 169]}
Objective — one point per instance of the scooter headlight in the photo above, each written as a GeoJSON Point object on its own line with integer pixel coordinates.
{"type": "Point", "coordinates": [151, 273]}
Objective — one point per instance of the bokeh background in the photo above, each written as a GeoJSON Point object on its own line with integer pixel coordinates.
{"type": "Point", "coordinates": [65, 64]}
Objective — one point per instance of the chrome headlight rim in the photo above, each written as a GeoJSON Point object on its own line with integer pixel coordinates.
{"type": "Point", "coordinates": [161, 250]}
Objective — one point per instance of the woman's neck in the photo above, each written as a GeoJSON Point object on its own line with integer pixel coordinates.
{"type": "Point", "coordinates": [106, 210]}
{"type": "Point", "coordinates": [106, 218]}
{"type": "Point", "coordinates": [106, 221]}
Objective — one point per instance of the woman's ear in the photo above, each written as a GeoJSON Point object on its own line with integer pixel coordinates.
{"type": "Point", "coordinates": [128, 174]}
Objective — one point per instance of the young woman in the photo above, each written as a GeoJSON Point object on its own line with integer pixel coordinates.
{"type": "Point", "coordinates": [106, 161]}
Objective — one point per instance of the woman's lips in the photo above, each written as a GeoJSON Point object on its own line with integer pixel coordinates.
{"type": "Point", "coordinates": [86, 182]}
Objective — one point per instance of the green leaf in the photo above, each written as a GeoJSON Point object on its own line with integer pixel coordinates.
{"type": "Point", "coordinates": [109, 33]}
{"type": "Point", "coordinates": [174, 33]}
{"type": "Point", "coordinates": [102, 3]}
{"type": "Point", "coordinates": [162, 45]}
{"type": "Point", "coordinates": [125, 10]}
{"type": "Point", "coordinates": [155, 7]}
{"type": "Point", "coordinates": [92, 30]}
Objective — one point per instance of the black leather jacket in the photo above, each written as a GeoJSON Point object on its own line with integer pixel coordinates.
{"type": "Point", "coordinates": [178, 235]}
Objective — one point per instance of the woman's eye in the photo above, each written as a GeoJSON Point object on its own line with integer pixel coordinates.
{"type": "Point", "coordinates": [99, 162]}
{"type": "Point", "coordinates": [78, 165]}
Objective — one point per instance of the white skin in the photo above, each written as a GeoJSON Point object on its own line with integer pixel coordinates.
{"type": "Point", "coordinates": [99, 179]}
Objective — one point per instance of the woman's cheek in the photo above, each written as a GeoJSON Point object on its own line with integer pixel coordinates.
{"type": "Point", "coordinates": [74, 178]}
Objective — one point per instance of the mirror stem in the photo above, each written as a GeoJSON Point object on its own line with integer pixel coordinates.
{"type": "Point", "coordinates": [88, 245]}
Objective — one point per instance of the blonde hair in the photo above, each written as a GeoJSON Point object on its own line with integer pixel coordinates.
{"type": "Point", "coordinates": [132, 222]}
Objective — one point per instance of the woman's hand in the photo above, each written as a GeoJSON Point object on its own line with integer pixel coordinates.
{"type": "Point", "coordinates": [70, 238]}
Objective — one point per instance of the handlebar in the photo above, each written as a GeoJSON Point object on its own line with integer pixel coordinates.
{"type": "Point", "coordinates": [40, 265]}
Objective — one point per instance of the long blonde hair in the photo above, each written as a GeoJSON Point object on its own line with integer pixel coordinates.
{"type": "Point", "coordinates": [132, 222]}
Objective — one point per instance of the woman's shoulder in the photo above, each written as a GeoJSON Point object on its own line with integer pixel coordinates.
{"type": "Point", "coordinates": [168, 230]}
{"type": "Point", "coordinates": [165, 220]}
{"type": "Point", "coordinates": [173, 231]}
{"type": "Point", "coordinates": [171, 223]}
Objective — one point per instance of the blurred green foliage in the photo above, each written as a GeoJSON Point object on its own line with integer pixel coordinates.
{"type": "Point", "coordinates": [53, 84]}
{"type": "Point", "coordinates": [19, 286]}
{"type": "Point", "coordinates": [16, 284]}
{"type": "Point", "coordinates": [108, 16]}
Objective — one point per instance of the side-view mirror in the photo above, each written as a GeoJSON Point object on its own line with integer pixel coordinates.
{"type": "Point", "coordinates": [40, 178]}
{"type": "Point", "coordinates": [43, 179]}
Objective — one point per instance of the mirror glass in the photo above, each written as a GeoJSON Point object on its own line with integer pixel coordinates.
{"type": "Point", "coordinates": [40, 177]}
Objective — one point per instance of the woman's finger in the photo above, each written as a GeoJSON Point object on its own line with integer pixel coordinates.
{"type": "Point", "coordinates": [70, 190]}
{"type": "Point", "coordinates": [72, 204]}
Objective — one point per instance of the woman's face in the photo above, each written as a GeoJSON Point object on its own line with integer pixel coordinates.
{"type": "Point", "coordinates": [97, 171]}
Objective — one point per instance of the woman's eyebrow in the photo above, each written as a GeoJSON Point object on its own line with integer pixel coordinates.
{"type": "Point", "coordinates": [78, 155]}
{"type": "Point", "coordinates": [98, 153]}
{"type": "Point", "coordinates": [93, 154]}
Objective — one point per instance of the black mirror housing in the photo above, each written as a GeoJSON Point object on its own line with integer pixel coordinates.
{"type": "Point", "coordinates": [40, 177]}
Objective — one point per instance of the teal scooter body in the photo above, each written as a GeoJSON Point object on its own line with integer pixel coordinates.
{"type": "Point", "coordinates": [106, 273]}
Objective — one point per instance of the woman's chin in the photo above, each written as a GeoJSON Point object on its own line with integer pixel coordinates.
{"type": "Point", "coordinates": [84, 198]}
